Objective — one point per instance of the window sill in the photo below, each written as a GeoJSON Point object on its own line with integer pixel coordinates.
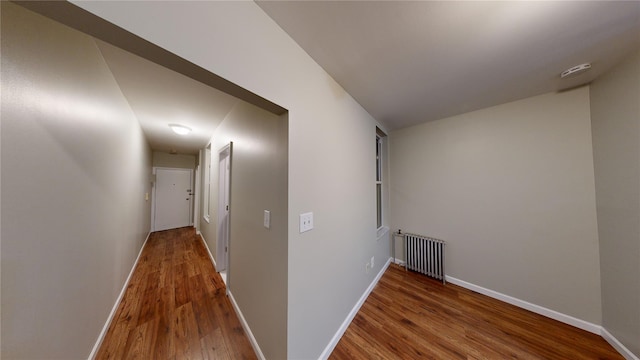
{"type": "Point", "coordinates": [383, 231]}
{"type": "Point", "coordinates": [207, 219]}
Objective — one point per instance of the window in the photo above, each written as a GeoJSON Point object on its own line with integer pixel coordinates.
{"type": "Point", "coordinates": [207, 183]}
{"type": "Point", "coordinates": [379, 178]}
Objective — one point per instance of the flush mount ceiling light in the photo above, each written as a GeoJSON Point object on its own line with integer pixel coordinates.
{"type": "Point", "coordinates": [576, 70]}
{"type": "Point", "coordinates": [180, 129]}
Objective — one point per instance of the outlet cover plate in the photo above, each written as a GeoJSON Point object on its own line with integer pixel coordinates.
{"type": "Point", "coordinates": [267, 219]}
{"type": "Point", "coordinates": [306, 222]}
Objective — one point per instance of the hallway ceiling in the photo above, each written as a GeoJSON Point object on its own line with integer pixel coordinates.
{"type": "Point", "coordinates": [159, 97]}
{"type": "Point", "coordinates": [407, 62]}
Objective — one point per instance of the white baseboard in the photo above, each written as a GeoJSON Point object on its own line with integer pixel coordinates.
{"type": "Point", "coordinates": [345, 324]}
{"type": "Point", "coordinates": [567, 319]}
{"type": "Point", "coordinates": [618, 345]}
{"type": "Point", "coordinates": [246, 327]}
{"type": "Point", "coordinates": [103, 333]}
{"type": "Point", "coordinates": [208, 250]}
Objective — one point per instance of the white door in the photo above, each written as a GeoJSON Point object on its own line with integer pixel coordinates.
{"type": "Point", "coordinates": [172, 199]}
{"type": "Point", "coordinates": [224, 167]}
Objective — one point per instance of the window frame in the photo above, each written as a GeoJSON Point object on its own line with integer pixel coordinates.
{"type": "Point", "coordinates": [379, 181]}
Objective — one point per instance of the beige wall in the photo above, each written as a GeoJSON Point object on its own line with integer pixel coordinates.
{"type": "Point", "coordinates": [257, 271]}
{"type": "Point", "coordinates": [75, 170]}
{"type": "Point", "coordinates": [615, 116]}
{"type": "Point", "coordinates": [502, 185]}
{"type": "Point", "coordinates": [511, 190]}
{"type": "Point", "coordinates": [331, 152]}
{"type": "Point", "coordinates": [180, 161]}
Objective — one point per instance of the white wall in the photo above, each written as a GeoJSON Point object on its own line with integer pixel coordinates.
{"type": "Point", "coordinates": [257, 270]}
{"type": "Point", "coordinates": [75, 170]}
{"type": "Point", "coordinates": [615, 116]}
{"type": "Point", "coordinates": [511, 190]}
{"type": "Point", "coordinates": [331, 152]}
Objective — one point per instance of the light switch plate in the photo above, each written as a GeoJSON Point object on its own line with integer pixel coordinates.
{"type": "Point", "coordinates": [267, 219]}
{"type": "Point", "coordinates": [306, 222]}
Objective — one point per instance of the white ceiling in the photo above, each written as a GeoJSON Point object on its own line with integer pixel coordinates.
{"type": "Point", "coordinates": [408, 62]}
{"type": "Point", "coordinates": [159, 97]}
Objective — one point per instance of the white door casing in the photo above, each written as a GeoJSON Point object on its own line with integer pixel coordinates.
{"type": "Point", "coordinates": [196, 199]}
{"type": "Point", "coordinates": [224, 167]}
{"type": "Point", "coordinates": [172, 198]}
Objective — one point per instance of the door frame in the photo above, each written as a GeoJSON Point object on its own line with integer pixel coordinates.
{"type": "Point", "coordinates": [196, 199]}
{"type": "Point", "coordinates": [153, 194]}
{"type": "Point", "coordinates": [224, 181]}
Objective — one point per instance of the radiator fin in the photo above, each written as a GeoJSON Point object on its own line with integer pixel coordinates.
{"type": "Point", "coordinates": [424, 255]}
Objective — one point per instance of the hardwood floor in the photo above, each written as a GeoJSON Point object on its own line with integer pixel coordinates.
{"type": "Point", "coordinates": [410, 316]}
{"type": "Point", "coordinates": [175, 306]}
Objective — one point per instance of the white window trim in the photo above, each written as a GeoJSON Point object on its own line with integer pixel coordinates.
{"type": "Point", "coordinates": [380, 230]}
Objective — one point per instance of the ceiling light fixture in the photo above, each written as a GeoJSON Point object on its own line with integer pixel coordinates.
{"type": "Point", "coordinates": [180, 129]}
{"type": "Point", "coordinates": [578, 69]}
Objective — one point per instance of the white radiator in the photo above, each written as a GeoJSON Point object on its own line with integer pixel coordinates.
{"type": "Point", "coordinates": [424, 255]}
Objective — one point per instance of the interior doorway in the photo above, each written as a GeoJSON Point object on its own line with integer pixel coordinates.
{"type": "Point", "coordinates": [172, 198]}
{"type": "Point", "coordinates": [224, 192]}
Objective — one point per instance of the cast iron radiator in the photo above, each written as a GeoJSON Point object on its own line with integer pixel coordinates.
{"type": "Point", "coordinates": [424, 255]}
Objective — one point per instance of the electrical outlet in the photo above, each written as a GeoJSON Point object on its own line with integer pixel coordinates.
{"type": "Point", "coordinates": [372, 261]}
{"type": "Point", "coordinates": [367, 267]}
{"type": "Point", "coordinates": [306, 222]}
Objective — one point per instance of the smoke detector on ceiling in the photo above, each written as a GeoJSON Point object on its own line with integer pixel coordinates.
{"type": "Point", "coordinates": [576, 70]}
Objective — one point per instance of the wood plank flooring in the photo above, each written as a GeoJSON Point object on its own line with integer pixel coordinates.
{"type": "Point", "coordinates": [410, 316]}
{"type": "Point", "coordinates": [175, 306]}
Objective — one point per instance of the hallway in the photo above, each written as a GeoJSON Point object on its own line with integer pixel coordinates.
{"type": "Point", "coordinates": [175, 306]}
